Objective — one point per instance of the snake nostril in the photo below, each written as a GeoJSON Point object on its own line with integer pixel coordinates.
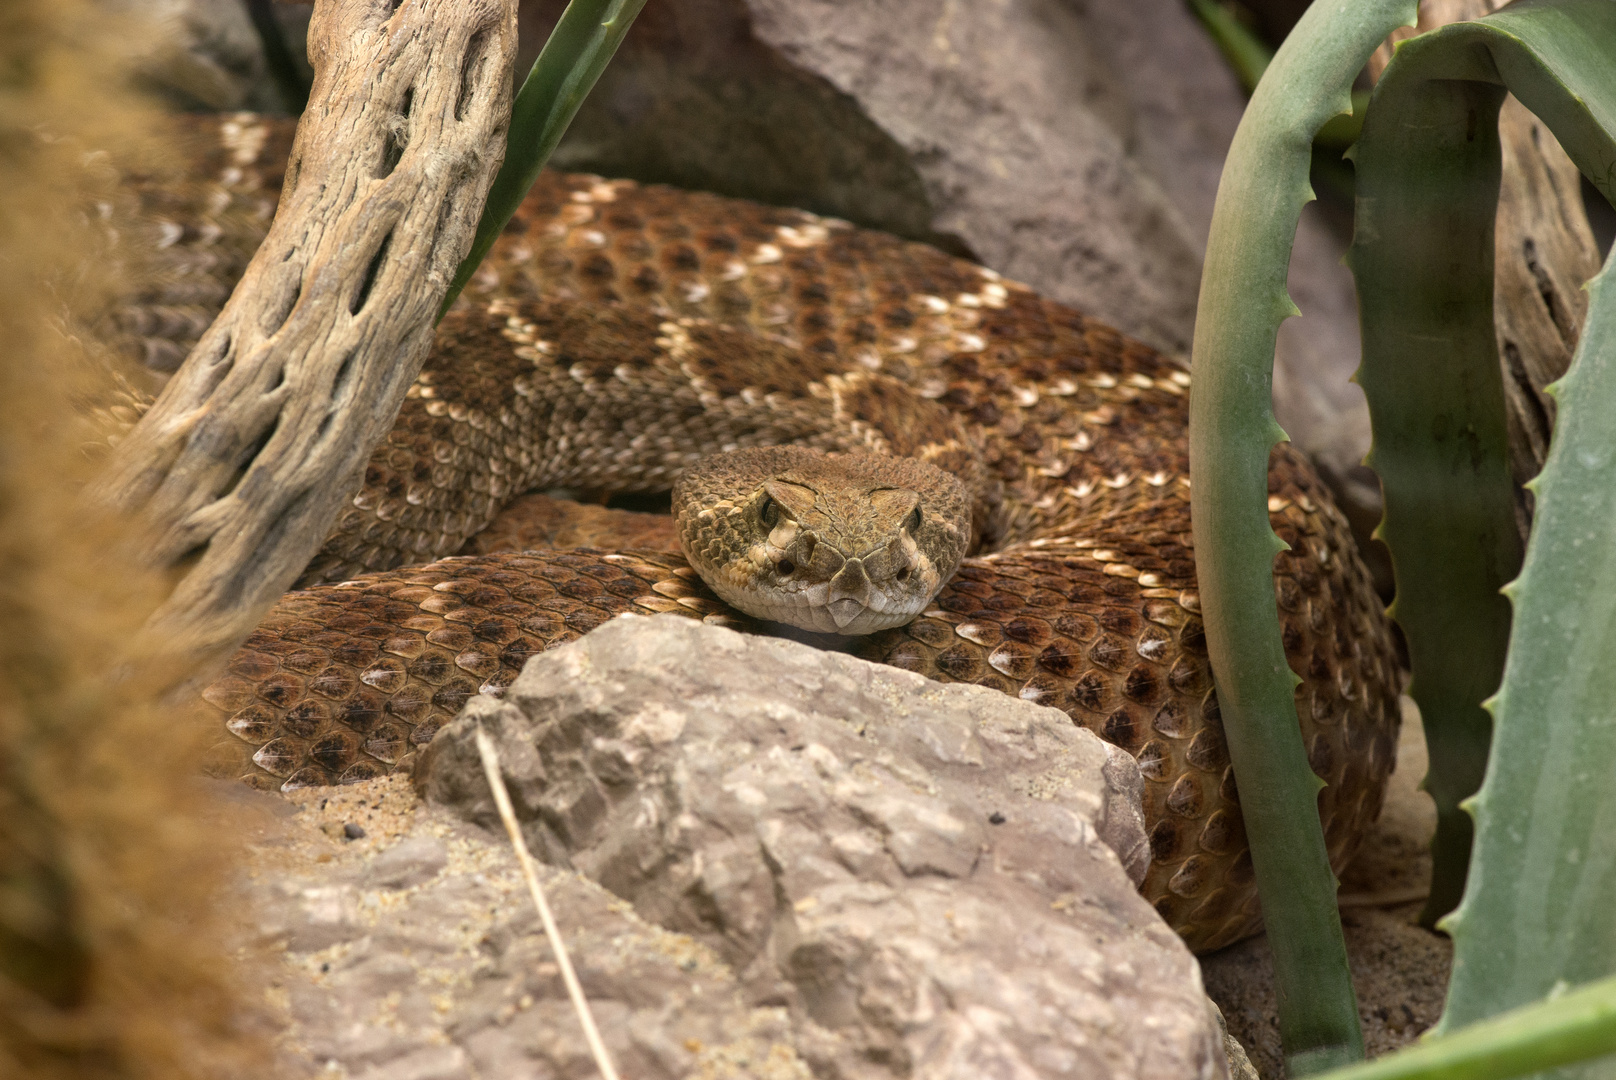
{"type": "Point", "coordinates": [785, 567]}
{"type": "Point", "coordinates": [903, 575]}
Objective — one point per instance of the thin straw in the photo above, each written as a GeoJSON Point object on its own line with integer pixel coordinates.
{"type": "Point", "coordinates": [507, 814]}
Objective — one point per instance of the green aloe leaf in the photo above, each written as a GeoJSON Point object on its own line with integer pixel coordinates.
{"type": "Point", "coordinates": [1427, 169]}
{"type": "Point", "coordinates": [1243, 301]}
{"type": "Point", "coordinates": [1536, 911]}
{"type": "Point", "coordinates": [578, 50]}
{"type": "Point", "coordinates": [1427, 184]}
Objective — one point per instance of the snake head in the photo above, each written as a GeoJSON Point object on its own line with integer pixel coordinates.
{"type": "Point", "coordinates": [829, 543]}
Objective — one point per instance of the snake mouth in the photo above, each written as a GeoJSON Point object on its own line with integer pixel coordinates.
{"type": "Point", "coordinates": [845, 611]}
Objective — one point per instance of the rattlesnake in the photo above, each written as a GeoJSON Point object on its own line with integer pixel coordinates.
{"type": "Point", "coordinates": [617, 334]}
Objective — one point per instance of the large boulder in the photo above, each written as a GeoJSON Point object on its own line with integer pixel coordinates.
{"type": "Point", "coordinates": [925, 880]}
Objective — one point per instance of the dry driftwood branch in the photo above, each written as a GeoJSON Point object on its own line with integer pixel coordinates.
{"type": "Point", "coordinates": [1543, 251]}
{"type": "Point", "coordinates": [245, 461]}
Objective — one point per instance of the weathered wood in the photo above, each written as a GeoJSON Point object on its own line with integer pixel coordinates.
{"type": "Point", "coordinates": [244, 462]}
{"type": "Point", "coordinates": [1543, 251]}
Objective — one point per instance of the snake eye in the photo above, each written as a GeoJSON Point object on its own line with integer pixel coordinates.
{"type": "Point", "coordinates": [785, 567]}
{"type": "Point", "coordinates": [914, 520]}
{"type": "Point", "coordinates": [769, 512]}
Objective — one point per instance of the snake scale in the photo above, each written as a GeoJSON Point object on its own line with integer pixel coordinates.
{"type": "Point", "coordinates": [617, 334]}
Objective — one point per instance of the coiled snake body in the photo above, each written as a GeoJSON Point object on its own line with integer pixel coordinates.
{"type": "Point", "coordinates": [620, 333]}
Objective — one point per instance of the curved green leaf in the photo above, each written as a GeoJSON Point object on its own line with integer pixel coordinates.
{"type": "Point", "coordinates": [571, 61]}
{"type": "Point", "coordinates": [1243, 300]}
{"type": "Point", "coordinates": [1422, 253]}
{"type": "Point", "coordinates": [1538, 912]}
{"type": "Point", "coordinates": [1535, 913]}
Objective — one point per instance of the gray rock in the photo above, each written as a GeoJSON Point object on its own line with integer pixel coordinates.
{"type": "Point", "coordinates": [915, 877]}
{"type": "Point", "coordinates": [197, 53]}
{"type": "Point", "coordinates": [429, 1063]}
{"type": "Point", "coordinates": [310, 916]}
{"type": "Point", "coordinates": [453, 977]}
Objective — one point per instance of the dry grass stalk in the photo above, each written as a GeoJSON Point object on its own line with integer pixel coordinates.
{"type": "Point", "coordinates": [507, 814]}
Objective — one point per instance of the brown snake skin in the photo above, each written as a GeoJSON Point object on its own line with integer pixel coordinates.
{"type": "Point", "coordinates": [619, 332]}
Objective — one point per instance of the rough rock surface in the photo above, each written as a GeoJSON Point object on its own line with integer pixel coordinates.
{"type": "Point", "coordinates": [916, 875]}
{"type": "Point", "coordinates": [412, 952]}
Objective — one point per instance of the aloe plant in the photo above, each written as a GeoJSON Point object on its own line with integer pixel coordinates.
{"type": "Point", "coordinates": [1535, 911]}
{"type": "Point", "coordinates": [1428, 182]}
{"type": "Point", "coordinates": [1534, 918]}
{"type": "Point", "coordinates": [1423, 258]}
{"type": "Point", "coordinates": [1536, 915]}
{"type": "Point", "coordinates": [1232, 427]}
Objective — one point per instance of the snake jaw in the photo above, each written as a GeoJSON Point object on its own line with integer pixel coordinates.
{"type": "Point", "coordinates": [850, 594]}
{"type": "Point", "coordinates": [845, 612]}
{"type": "Point", "coordinates": [792, 576]}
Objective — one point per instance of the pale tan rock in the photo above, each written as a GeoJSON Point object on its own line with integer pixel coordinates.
{"type": "Point", "coordinates": [917, 875]}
